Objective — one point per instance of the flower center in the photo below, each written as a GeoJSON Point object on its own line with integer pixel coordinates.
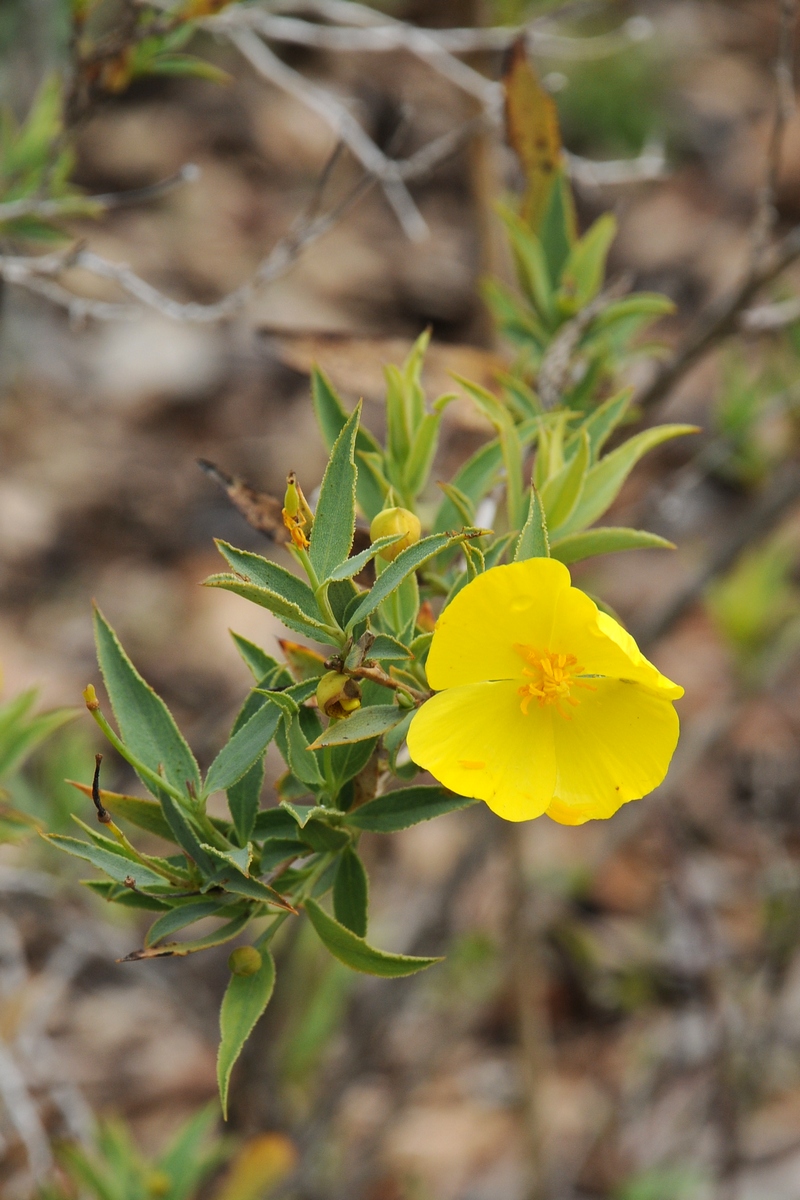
{"type": "Point", "coordinates": [552, 676]}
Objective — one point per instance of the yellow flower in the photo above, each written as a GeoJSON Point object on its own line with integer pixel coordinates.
{"type": "Point", "coordinates": [545, 704]}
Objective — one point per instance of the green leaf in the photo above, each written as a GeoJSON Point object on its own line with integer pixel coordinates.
{"type": "Point", "coordinates": [301, 759]}
{"type": "Point", "coordinates": [531, 263]}
{"type": "Point", "coordinates": [557, 229]}
{"type": "Point", "coordinates": [498, 547]}
{"type": "Point", "coordinates": [245, 747]}
{"type": "Point", "coordinates": [239, 858]}
{"type": "Point", "coordinates": [583, 273]}
{"type": "Point", "coordinates": [191, 1155]}
{"type": "Point", "coordinates": [292, 616]}
{"type": "Point", "coordinates": [355, 953]}
{"type": "Point", "coordinates": [332, 418]}
{"type": "Point", "coordinates": [218, 937]}
{"type": "Point", "coordinates": [533, 540]}
{"type": "Point", "coordinates": [605, 540]}
{"type": "Point", "coordinates": [352, 566]}
{"type": "Point", "coordinates": [273, 577]}
{"type": "Point", "coordinates": [244, 1001]}
{"type": "Point", "coordinates": [351, 893]}
{"type": "Point", "coordinates": [385, 648]}
{"type": "Point", "coordinates": [422, 453]}
{"type": "Point", "coordinates": [347, 760]}
{"type": "Point", "coordinates": [363, 723]}
{"type": "Point", "coordinates": [561, 494]}
{"type": "Point", "coordinates": [510, 445]}
{"type": "Point", "coordinates": [411, 559]}
{"type": "Point", "coordinates": [112, 893]}
{"type": "Point", "coordinates": [461, 503]}
{"type": "Point", "coordinates": [118, 867]}
{"type": "Point", "coordinates": [186, 914]}
{"type": "Point", "coordinates": [301, 814]}
{"type": "Point", "coordinates": [144, 720]}
{"type": "Point", "coordinates": [21, 737]}
{"type": "Point", "coordinates": [266, 670]}
{"type": "Point", "coordinates": [281, 821]}
{"type": "Point", "coordinates": [282, 700]}
{"type": "Point", "coordinates": [405, 807]}
{"type": "Point", "coordinates": [335, 514]}
{"type": "Point", "coordinates": [278, 850]}
{"type": "Point", "coordinates": [605, 479]}
{"type": "Point", "coordinates": [604, 420]}
{"type": "Point", "coordinates": [184, 834]}
{"type": "Point", "coordinates": [243, 800]}
{"type": "Point", "coordinates": [146, 814]}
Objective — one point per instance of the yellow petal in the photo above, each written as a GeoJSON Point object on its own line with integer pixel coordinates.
{"type": "Point", "coordinates": [475, 635]}
{"type": "Point", "coordinates": [602, 646]}
{"type": "Point", "coordinates": [616, 748]}
{"type": "Point", "coordinates": [477, 742]}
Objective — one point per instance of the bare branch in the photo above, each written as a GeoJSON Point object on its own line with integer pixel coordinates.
{"type": "Point", "coordinates": [650, 164]}
{"type": "Point", "coordinates": [767, 318]}
{"type": "Point", "coordinates": [366, 29]}
{"type": "Point", "coordinates": [77, 205]}
{"type": "Point", "coordinates": [40, 274]}
{"type": "Point", "coordinates": [722, 318]}
{"type": "Point", "coordinates": [777, 499]}
{"type": "Point", "coordinates": [341, 121]}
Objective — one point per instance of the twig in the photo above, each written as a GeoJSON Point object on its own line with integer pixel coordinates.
{"type": "Point", "coordinates": [78, 205]}
{"type": "Point", "coordinates": [768, 318]}
{"type": "Point", "coordinates": [366, 29]}
{"type": "Point", "coordinates": [649, 165]}
{"type": "Point", "coordinates": [722, 318]}
{"type": "Point", "coordinates": [38, 274]}
{"type": "Point", "coordinates": [777, 499]}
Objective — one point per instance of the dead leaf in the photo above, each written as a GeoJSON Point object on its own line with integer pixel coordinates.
{"type": "Point", "coordinates": [259, 509]}
{"type": "Point", "coordinates": [533, 132]}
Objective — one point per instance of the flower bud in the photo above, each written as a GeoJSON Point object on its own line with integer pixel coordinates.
{"type": "Point", "coordinates": [395, 520]}
{"type": "Point", "coordinates": [244, 960]}
{"type": "Point", "coordinates": [338, 695]}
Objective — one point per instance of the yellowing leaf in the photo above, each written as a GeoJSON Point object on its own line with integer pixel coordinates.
{"type": "Point", "coordinates": [533, 131]}
{"type": "Point", "coordinates": [260, 1164]}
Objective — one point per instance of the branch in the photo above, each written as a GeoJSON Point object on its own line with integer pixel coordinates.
{"type": "Point", "coordinates": [366, 29]}
{"type": "Point", "coordinates": [77, 205]}
{"type": "Point", "coordinates": [781, 494]}
{"type": "Point", "coordinates": [39, 274]}
{"type": "Point", "coordinates": [783, 72]}
{"type": "Point", "coordinates": [722, 318]}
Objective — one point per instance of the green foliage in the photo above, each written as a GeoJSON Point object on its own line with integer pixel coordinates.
{"type": "Point", "coordinates": [345, 772]}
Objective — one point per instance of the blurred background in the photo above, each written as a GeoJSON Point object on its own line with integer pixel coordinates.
{"type": "Point", "coordinates": [619, 1012]}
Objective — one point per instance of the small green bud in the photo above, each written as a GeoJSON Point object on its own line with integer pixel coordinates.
{"type": "Point", "coordinates": [244, 960]}
{"type": "Point", "coordinates": [338, 695]}
{"type": "Point", "coordinates": [395, 520]}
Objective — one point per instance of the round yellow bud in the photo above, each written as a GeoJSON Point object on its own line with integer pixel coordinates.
{"type": "Point", "coordinates": [395, 520]}
{"type": "Point", "coordinates": [244, 960]}
{"type": "Point", "coordinates": [338, 695]}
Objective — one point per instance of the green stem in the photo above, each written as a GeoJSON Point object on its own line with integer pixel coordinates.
{"type": "Point", "coordinates": [145, 859]}
{"type": "Point", "coordinates": [320, 592]}
{"type": "Point", "coordinates": [152, 777]}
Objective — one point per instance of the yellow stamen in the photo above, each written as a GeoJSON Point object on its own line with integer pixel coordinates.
{"type": "Point", "coordinates": [553, 677]}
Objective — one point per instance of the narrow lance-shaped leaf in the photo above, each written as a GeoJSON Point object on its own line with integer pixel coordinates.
{"type": "Point", "coordinates": [363, 723]}
{"type": "Point", "coordinates": [351, 893]}
{"type": "Point", "coordinates": [533, 540]}
{"type": "Point", "coordinates": [272, 576]}
{"type": "Point", "coordinates": [510, 444]}
{"type": "Point", "coordinates": [245, 747]}
{"type": "Point", "coordinates": [605, 479]}
{"type": "Point", "coordinates": [183, 915]}
{"type": "Point", "coordinates": [332, 418]}
{"type": "Point", "coordinates": [244, 1001]}
{"type": "Point", "coordinates": [353, 566]}
{"type": "Point", "coordinates": [335, 515]}
{"type": "Point", "coordinates": [583, 272]}
{"type": "Point", "coordinates": [561, 495]}
{"type": "Point", "coordinates": [605, 540]}
{"type": "Point", "coordinates": [356, 953]}
{"type": "Point", "coordinates": [405, 807]}
{"type": "Point", "coordinates": [410, 560]}
{"type": "Point", "coordinates": [145, 722]}
{"type": "Point", "coordinates": [116, 866]}
{"type": "Point", "coordinates": [292, 616]}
